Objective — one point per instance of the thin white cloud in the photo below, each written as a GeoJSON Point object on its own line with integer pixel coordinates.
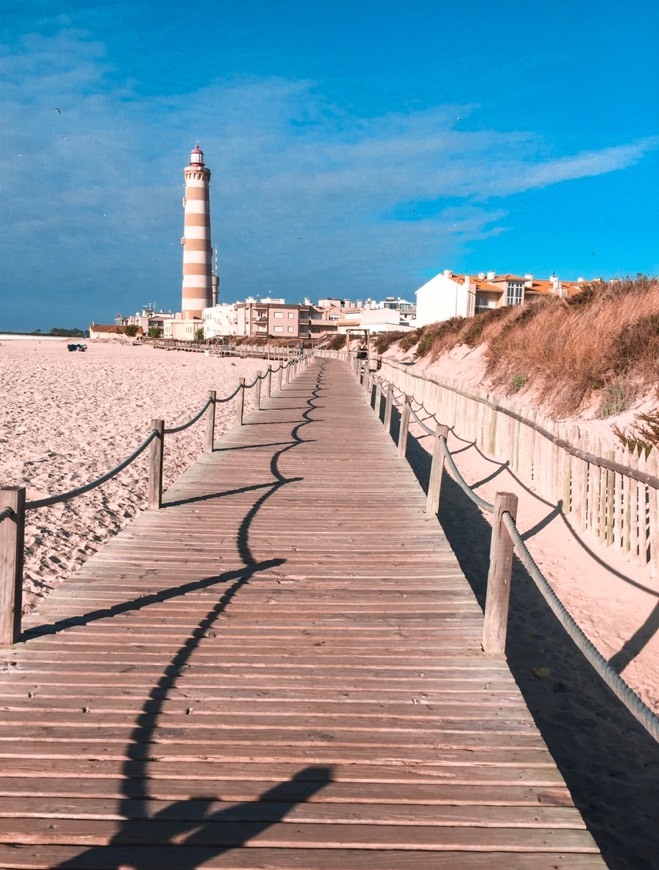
{"type": "Point", "coordinates": [305, 200]}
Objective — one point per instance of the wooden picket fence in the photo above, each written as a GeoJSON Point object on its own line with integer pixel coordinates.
{"type": "Point", "coordinates": [607, 491]}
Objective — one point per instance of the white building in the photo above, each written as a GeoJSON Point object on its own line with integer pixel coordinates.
{"type": "Point", "coordinates": [448, 295]}
{"type": "Point", "coordinates": [220, 320]}
{"type": "Point", "coordinates": [445, 296]}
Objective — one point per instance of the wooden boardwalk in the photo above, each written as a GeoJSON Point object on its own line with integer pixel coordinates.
{"type": "Point", "coordinates": [279, 669]}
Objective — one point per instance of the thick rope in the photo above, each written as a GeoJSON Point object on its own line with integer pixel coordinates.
{"type": "Point", "coordinates": [228, 398]}
{"type": "Point", "coordinates": [5, 513]}
{"type": "Point", "coordinates": [191, 422]}
{"type": "Point", "coordinates": [641, 712]}
{"type": "Point", "coordinates": [420, 422]}
{"type": "Point", "coordinates": [648, 719]}
{"type": "Point", "coordinates": [65, 496]}
{"type": "Point", "coordinates": [462, 483]}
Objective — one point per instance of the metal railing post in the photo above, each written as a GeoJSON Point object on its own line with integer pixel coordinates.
{"type": "Point", "coordinates": [268, 389]}
{"type": "Point", "coordinates": [497, 598]}
{"type": "Point", "coordinates": [12, 546]}
{"type": "Point", "coordinates": [155, 465]}
{"type": "Point", "coordinates": [436, 470]}
{"type": "Point", "coordinates": [210, 424]}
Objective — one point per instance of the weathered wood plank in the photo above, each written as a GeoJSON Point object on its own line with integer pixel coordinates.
{"type": "Point", "coordinates": [267, 673]}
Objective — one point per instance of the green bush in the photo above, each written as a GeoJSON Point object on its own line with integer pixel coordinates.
{"type": "Point", "coordinates": [338, 342]}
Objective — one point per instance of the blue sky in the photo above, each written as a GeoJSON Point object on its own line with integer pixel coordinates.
{"type": "Point", "coordinates": [356, 148]}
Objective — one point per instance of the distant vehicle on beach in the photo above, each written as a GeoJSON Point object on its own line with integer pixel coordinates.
{"type": "Point", "coordinates": [72, 347]}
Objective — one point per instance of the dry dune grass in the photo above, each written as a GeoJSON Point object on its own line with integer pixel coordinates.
{"type": "Point", "coordinates": [601, 346]}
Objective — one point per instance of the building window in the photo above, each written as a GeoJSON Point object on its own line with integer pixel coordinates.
{"type": "Point", "coordinates": [291, 329]}
{"type": "Point", "coordinates": [514, 293]}
{"type": "Point", "coordinates": [279, 328]}
{"type": "Point", "coordinates": [291, 315]}
{"type": "Point", "coordinates": [278, 314]}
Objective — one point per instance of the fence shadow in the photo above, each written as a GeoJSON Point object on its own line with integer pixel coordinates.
{"type": "Point", "coordinates": [606, 757]}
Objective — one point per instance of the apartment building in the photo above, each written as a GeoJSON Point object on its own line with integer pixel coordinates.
{"type": "Point", "coordinates": [258, 318]}
{"type": "Point", "coordinates": [451, 295]}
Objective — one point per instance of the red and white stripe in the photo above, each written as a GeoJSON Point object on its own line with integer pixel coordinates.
{"type": "Point", "coordinates": [197, 290]}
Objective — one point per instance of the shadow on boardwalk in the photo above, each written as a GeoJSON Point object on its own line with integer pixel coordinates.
{"type": "Point", "coordinates": [185, 834]}
{"type": "Point", "coordinates": [188, 835]}
{"type": "Point", "coordinates": [607, 759]}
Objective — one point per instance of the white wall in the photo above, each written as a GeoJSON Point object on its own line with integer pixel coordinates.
{"type": "Point", "coordinates": [440, 299]}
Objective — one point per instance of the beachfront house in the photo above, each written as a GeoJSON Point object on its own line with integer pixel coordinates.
{"type": "Point", "coordinates": [450, 295]}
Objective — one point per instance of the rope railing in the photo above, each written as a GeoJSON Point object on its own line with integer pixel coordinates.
{"type": "Point", "coordinates": [230, 396]}
{"type": "Point", "coordinates": [13, 504]}
{"type": "Point", "coordinates": [612, 678]}
{"type": "Point", "coordinates": [591, 458]}
{"type": "Point", "coordinates": [506, 540]}
{"type": "Point", "coordinates": [174, 429]}
{"type": "Point", "coordinates": [87, 487]}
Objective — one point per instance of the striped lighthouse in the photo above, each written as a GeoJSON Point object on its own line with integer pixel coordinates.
{"type": "Point", "coordinates": [197, 253]}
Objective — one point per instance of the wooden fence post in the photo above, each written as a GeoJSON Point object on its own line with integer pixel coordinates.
{"type": "Point", "coordinates": [258, 390]}
{"type": "Point", "coordinates": [268, 389]}
{"type": "Point", "coordinates": [404, 428]}
{"type": "Point", "coordinates": [389, 406]}
{"type": "Point", "coordinates": [155, 466]}
{"type": "Point", "coordinates": [240, 402]}
{"type": "Point", "coordinates": [12, 544]}
{"type": "Point", "coordinates": [378, 396]}
{"type": "Point", "coordinates": [436, 471]}
{"type": "Point", "coordinates": [497, 598]}
{"type": "Point", "coordinates": [210, 424]}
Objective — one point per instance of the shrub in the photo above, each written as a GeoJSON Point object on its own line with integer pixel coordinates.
{"type": "Point", "coordinates": [154, 332]}
{"type": "Point", "coordinates": [617, 398]}
{"type": "Point", "coordinates": [131, 330]}
{"type": "Point", "coordinates": [518, 382]}
{"type": "Point", "coordinates": [337, 342]}
{"type": "Point", "coordinates": [439, 337]}
{"type": "Point", "coordinates": [408, 341]}
{"type": "Point", "coordinates": [472, 332]}
{"type": "Point", "coordinates": [383, 340]}
{"type": "Point", "coordinates": [644, 434]}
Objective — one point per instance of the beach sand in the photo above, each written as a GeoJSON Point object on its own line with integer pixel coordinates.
{"type": "Point", "coordinates": [66, 418]}
{"type": "Point", "coordinates": [613, 598]}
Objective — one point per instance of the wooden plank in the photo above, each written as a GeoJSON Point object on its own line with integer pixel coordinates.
{"type": "Point", "coordinates": [263, 673]}
{"type": "Point", "coordinates": [112, 857]}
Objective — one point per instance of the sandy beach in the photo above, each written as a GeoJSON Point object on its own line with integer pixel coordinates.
{"type": "Point", "coordinates": [67, 418]}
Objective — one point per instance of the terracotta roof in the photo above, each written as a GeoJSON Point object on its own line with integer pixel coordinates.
{"type": "Point", "coordinates": [109, 329]}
